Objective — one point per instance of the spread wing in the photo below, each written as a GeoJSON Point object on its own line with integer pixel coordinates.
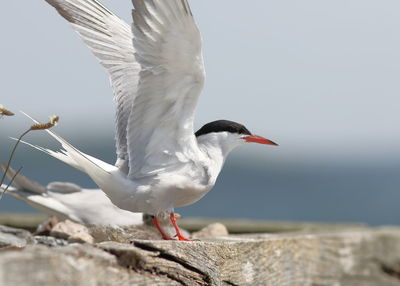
{"type": "Point", "coordinates": [168, 48]}
{"type": "Point", "coordinates": [110, 40]}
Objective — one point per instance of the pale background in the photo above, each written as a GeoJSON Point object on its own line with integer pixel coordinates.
{"type": "Point", "coordinates": [319, 77]}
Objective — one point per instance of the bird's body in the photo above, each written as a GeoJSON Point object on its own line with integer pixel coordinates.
{"type": "Point", "coordinates": [157, 72]}
{"type": "Point", "coordinates": [69, 201]}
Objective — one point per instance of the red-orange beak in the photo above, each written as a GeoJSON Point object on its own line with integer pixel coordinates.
{"type": "Point", "coordinates": [259, 140]}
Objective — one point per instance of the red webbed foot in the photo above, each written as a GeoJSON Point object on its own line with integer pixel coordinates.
{"type": "Point", "coordinates": [178, 231]}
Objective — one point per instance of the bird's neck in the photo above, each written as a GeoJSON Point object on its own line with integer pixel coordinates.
{"type": "Point", "coordinates": [215, 149]}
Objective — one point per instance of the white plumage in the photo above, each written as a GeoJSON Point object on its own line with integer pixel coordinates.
{"type": "Point", "coordinates": [111, 41]}
{"type": "Point", "coordinates": [69, 201]}
{"type": "Point", "coordinates": [158, 74]}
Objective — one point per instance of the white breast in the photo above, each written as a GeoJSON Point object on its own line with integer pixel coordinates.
{"type": "Point", "coordinates": [163, 192]}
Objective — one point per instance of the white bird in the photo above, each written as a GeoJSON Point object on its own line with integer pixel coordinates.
{"type": "Point", "coordinates": [69, 201]}
{"type": "Point", "coordinates": [156, 69]}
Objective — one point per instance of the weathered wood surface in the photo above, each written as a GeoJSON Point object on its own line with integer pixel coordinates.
{"type": "Point", "coordinates": [348, 257]}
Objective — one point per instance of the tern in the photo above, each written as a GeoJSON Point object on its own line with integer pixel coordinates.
{"type": "Point", "coordinates": [69, 201]}
{"type": "Point", "coordinates": [157, 72]}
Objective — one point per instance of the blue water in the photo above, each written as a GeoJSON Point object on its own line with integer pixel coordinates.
{"type": "Point", "coordinates": [290, 191]}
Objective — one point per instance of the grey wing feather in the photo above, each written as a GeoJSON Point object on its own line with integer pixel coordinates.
{"type": "Point", "coordinates": [35, 195]}
{"type": "Point", "coordinates": [22, 182]}
{"type": "Point", "coordinates": [110, 40]}
{"type": "Point", "coordinates": [43, 204]}
{"type": "Point", "coordinates": [63, 188]}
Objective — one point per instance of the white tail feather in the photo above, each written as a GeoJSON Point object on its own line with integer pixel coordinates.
{"type": "Point", "coordinates": [95, 168]}
{"type": "Point", "coordinates": [44, 204]}
{"type": "Point", "coordinates": [62, 155]}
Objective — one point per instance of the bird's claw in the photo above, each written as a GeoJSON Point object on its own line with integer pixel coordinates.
{"type": "Point", "coordinates": [182, 238]}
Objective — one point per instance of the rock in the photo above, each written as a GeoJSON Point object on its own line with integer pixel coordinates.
{"type": "Point", "coordinates": [77, 265]}
{"type": "Point", "coordinates": [125, 234]}
{"type": "Point", "coordinates": [50, 241]}
{"type": "Point", "coordinates": [367, 257]}
{"type": "Point", "coordinates": [81, 238]}
{"type": "Point", "coordinates": [13, 237]}
{"type": "Point", "coordinates": [71, 230]}
{"type": "Point", "coordinates": [212, 230]}
{"type": "Point", "coordinates": [45, 227]}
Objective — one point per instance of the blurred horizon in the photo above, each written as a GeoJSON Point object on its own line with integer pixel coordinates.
{"type": "Point", "coordinates": [253, 187]}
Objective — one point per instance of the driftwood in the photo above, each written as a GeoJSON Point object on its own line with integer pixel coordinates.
{"type": "Point", "coordinates": [332, 256]}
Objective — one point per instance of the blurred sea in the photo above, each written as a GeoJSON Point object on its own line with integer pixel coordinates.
{"type": "Point", "coordinates": [254, 188]}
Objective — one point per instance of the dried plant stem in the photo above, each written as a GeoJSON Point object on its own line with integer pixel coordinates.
{"type": "Point", "coordinates": [37, 126]}
{"type": "Point", "coordinates": [12, 180]}
{"type": "Point", "coordinates": [12, 155]}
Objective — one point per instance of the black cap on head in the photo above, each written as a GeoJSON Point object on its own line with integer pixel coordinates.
{"type": "Point", "coordinates": [223, 126]}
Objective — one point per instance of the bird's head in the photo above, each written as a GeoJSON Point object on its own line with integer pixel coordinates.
{"type": "Point", "coordinates": [228, 135]}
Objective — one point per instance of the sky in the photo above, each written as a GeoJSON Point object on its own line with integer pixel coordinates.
{"type": "Point", "coordinates": [319, 77]}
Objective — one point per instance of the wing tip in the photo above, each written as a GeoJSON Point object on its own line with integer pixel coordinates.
{"type": "Point", "coordinates": [22, 182]}
{"type": "Point", "coordinates": [73, 10]}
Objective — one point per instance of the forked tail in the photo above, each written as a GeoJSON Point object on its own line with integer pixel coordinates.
{"type": "Point", "coordinates": [98, 170]}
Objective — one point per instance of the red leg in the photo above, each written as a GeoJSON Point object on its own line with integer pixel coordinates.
{"type": "Point", "coordinates": [178, 232]}
{"type": "Point", "coordinates": [157, 225]}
